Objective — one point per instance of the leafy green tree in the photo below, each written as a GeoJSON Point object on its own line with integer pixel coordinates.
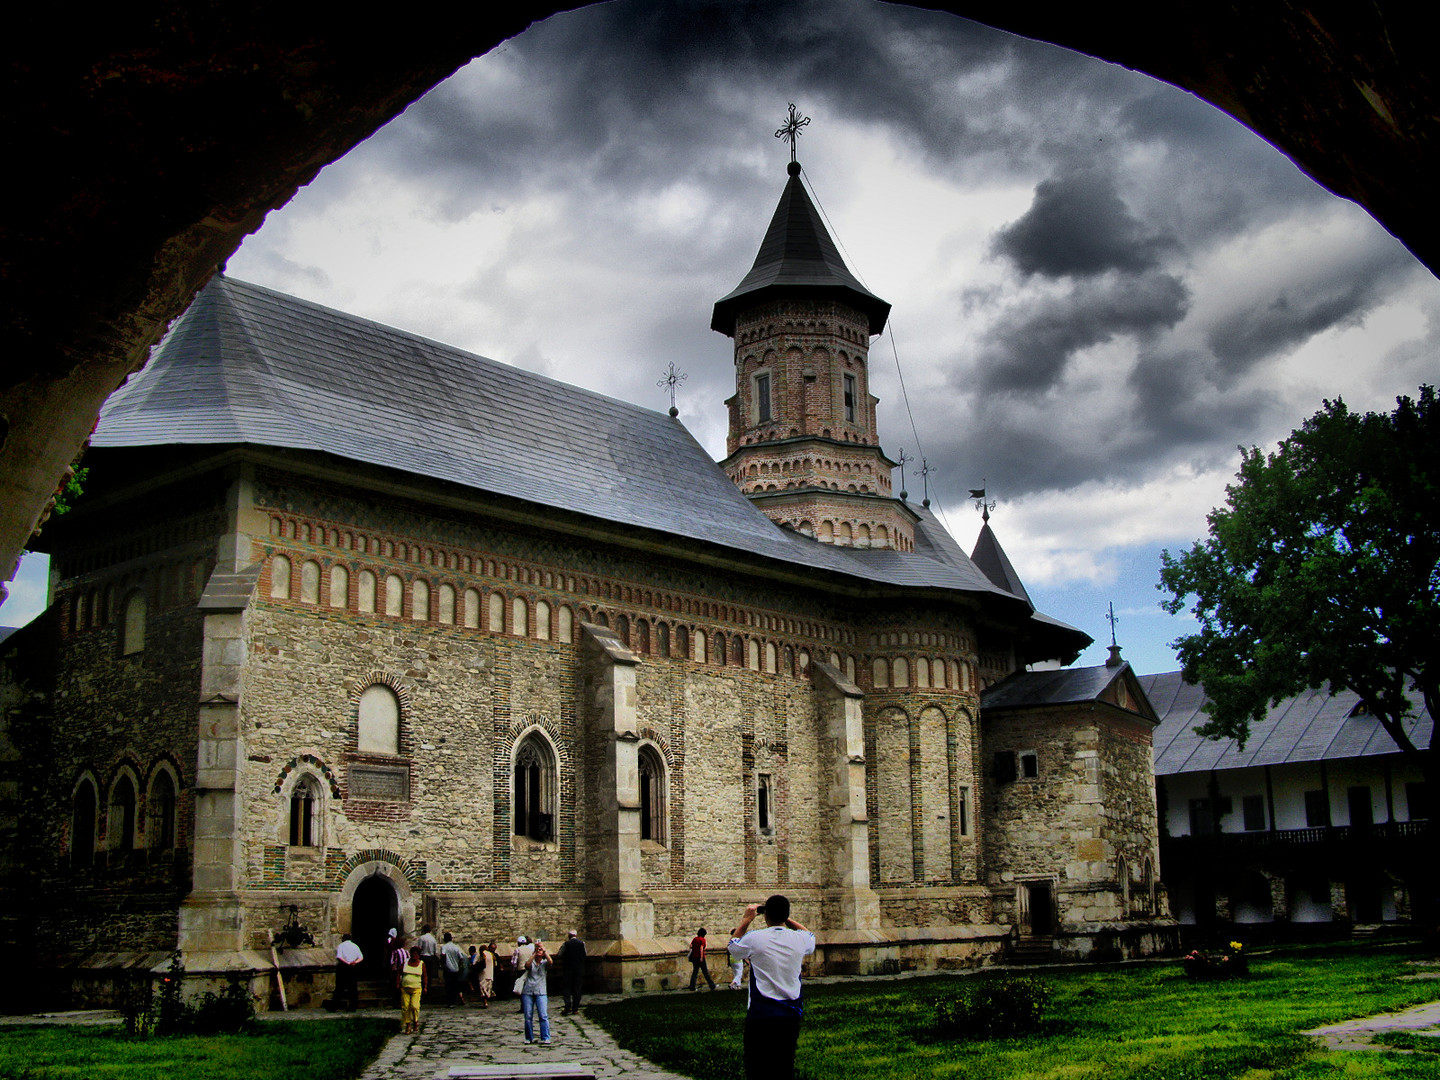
{"type": "Point", "coordinates": [1322, 568]}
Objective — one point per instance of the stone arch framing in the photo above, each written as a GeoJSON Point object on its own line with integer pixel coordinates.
{"type": "Point", "coordinates": [402, 696]}
{"type": "Point", "coordinates": [87, 777]}
{"type": "Point", "coordinates": [402, 876]}
{"type": "Point", "coordinates": [293, 773]}
{"type": "Point", "coordinates": [127, 768]}
{"type": "Point", "coordinates": [163, 763]}
{"type": "Point", "coordinates": [503, 772]}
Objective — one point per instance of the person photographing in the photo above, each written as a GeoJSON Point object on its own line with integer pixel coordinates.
{"type": "Point", "coordinates": [772, 1018]}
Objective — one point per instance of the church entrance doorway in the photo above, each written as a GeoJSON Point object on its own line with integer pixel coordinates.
{"type": "Point", "coordinates": [374, 910]}
{"type": "Point", "coordinates": [1039, 915]}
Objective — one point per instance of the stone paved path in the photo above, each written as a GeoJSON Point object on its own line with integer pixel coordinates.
{"type": "Point", "coordinates": [496, 1036]}
{"type": "Point", "coordinates": [1360, 1034]}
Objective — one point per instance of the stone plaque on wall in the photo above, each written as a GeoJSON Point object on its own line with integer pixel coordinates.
{"type": "Point", "coordinates": [388, 783]}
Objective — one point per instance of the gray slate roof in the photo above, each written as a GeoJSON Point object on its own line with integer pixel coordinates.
{"type": "Point", "coordinates": [246, 364]}
{"type": "Point", "coordinates": [1314, 726]}
{"type": "Point", "coordinates": [990, 557]}
{"type": "Point", "coordinates": [1063, 686]}
{"type": "Point", "coordinates": [798, 258]}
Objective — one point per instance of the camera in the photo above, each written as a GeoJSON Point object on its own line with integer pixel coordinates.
{"type": "Point", "coordinates": [760, 910]}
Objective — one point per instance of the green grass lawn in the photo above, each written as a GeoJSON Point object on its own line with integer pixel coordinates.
{"type": "Point", "coordinates": [314, 1049]}
{"type": "Point", "coordinates": [1140, 1022]}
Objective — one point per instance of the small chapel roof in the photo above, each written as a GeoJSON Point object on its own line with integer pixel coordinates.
{"type": "Point", "coordinates": [1314, 726]}
{"type": "Point", "coordinates": [1059, 686]}
{"type": "Point", "coordinates": [248, 365]}
{"type": "Point", "coordinates": [797, 258]}
{"type": "Point", "coordinates": [990, 557]}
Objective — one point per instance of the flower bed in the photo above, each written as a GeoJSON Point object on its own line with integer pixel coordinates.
{"type": "Point", "coordinates": [1231, 963]}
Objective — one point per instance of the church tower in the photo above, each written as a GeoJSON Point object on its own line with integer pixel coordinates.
{"type": "Point", "coordinates": [802, 442]}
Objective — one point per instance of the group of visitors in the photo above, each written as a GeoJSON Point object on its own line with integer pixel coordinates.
{"type": "Point", "coordinates": [775, 953]}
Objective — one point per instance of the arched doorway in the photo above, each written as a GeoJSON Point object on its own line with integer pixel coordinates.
{"type": "Point", "coordinates": [374, 910]}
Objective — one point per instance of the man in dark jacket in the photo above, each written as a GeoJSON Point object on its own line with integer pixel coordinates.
{"type": "Point", "coordinates": [572, 971]}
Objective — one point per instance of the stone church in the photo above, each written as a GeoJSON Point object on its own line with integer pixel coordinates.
{"type": "Point", "coordinates": [357, 630]}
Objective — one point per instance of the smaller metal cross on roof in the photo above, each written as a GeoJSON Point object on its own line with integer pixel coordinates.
{"type": "Point", "coordinates": [1112, 619]}
{"type": "Point", "coordinates": [672, 379]}
{"type": "Point", "coordinates": [902, 459]}
{"type": "Point", "coordinates": [793, 123]}
{"type": "Point", "coordinates": [925, 472]}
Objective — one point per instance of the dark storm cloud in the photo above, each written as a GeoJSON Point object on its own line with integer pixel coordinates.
{"type": "Point", "coordinates": [1313, 301]}
{"type": "Point", "coordinates": [1078, 226]}
{"type": "Point", "coordinates": [1029, 348]}
{"type": "Point", "coordinates": [629, 93]}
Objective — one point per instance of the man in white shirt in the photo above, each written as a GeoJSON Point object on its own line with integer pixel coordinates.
{"type": "Point", "coordinates": [772, 1020]}
{"type": "Point", "coordinates": [347, 967]}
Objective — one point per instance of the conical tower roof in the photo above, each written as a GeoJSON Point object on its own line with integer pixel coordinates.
{"type": "Point", "coordinates": [990, 557]}
{"type": "Point", "coordinates": [798, 259]}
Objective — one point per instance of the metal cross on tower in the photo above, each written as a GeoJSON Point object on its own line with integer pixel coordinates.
{"type": "Point", "coordinates": [1112, 619]}
{"type": "Point", "coordinates": [902, 459]}
{"type": "Point", "coordinates": [793, 123]}
{"type": "Point", "coordinates": [671, 380]}
{"type": "Point", "coordinates": [925, 472]}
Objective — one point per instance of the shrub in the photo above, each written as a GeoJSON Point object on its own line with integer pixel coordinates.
{"type": "Point", "coordinates": [146, 1012]}
{"type": "Point", "coordinates": [993, 1009]}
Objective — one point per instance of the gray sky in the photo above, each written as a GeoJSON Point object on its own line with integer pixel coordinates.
{"type": "Point", "coordinates": [1101, 285]}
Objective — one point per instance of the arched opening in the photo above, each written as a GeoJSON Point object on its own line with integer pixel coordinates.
{"type": "Point", "coordinates": [374, 910]}
{"type": "Point", "coordinates": [534, 789]}
{"type": "Point", "coordinates": [160, 812]}
{"type": "Point", "coordinates": [379, 721]}
{"type": "Point", "coordinates": [82, 826]}
{"type": "Point", "coordinates": [652, 795]}
{"type": "Point", "coordinates": [120, 823]}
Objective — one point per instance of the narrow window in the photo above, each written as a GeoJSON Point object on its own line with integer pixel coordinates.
{"type": "Point", "coordinates": [1362, 811]}
{"type": "Point", "coordinates": [519, 617]}
{"type": "Point", "coordinates": [160, 812]}
{"type": "Point", "coordinates": [420, 601]}
{"type": "Point", "coordinates": [763, 804]}
{"type": "Point", "coordinates": [850, 398]}
{"type": "Point", "coordinates": [304, 799]}
{"type": "Point", "coordinates": [1317, 809]}
{"type": "Point", "coordinates": [120, 829]}
{"type": "Point", "coordinates": [566, 632]}
{"type": "Point", "coordinates": [542, 620]}
{"type": "Point", "coordinates": [394, 595]}
{"type": "Point", "coordinates": [652, 795]}
{"type": "Point", "coordinates": [446, 604]}
{"type": "Point", "coordinates": [497, 613]}
{"type": "Point", "coordinates": [472, 609]}
{"type": "Point", "coordinates": [762, 397]}
{"type": "Point", "coordinates": [1029, 765]}
{"type": "Point", "coordinates": [962, 809]}
{"type": "Point", "coordinates": [1417, 801]}
{"type": "Point", "coordinates": [1202, 818]}
{"type": "Point", "coordinates": [534, 790]}
{"type": "Point", "coordinates": [1004, 766]}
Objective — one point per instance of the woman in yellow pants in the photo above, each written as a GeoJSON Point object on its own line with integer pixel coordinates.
{"type": "Point", "coordinates": [413, 978]}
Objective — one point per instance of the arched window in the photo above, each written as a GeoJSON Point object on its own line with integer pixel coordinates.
{"type": "Point", "coordinates": [420, 600]}
{"type": "Point", "coordinates": [519, 617]}
{"type": "Point", "coordinates": [305, 807]}
{"type": "Point", "coordinates": [120, 822]}
{"type": "Point", "coordinates": [642, 637]}
{"type": "Point", "coordinates": [280, 577]}
{"type": "Point", "coordinates": [719, 648]}
{"type": "Point", "coordinates": [662, 639]}
{"type": "Point", "coordinates": [365, 600]}
{"type": "Point", "coordinates": [542, 620]}
{"type": "Point", "coordinates": [652, 795]}
{"type": "Point", "coordinates": [82, 826]}
{"type": "Point", "coordinates": [446, 604]}
{"type": "Point", "coordinates": [533, 796]}
{"type": "Point", "coordinates": [567, 626]}
{"type": "Point", "coordinates": [622, 629]}
{"type": "Point", "coordinates": [497, 613]}
{"type": "Point", "coordinates": [697, 653]}
{"type": "Point", "coordinates": [772, 657]}
{"type": "Point", "coordinates": [340, 587]}
{"type": "Point", "coordinates": [394, 595]}
{"type": "Point", "coordinates": [133, 638]}
{"type": "Point", "coordinates": [901, 672]}
{"type": "Point", "coordinates": [1122, 878]}
{"type": "Point", "coordinates": [379, 729]}
{"type": "Point", "coordinates": [472, 609]}
{"type": "Point", "coordinates": [922, 672]}
{"type": "Point", "coordinates": [160, 812]}
{"type": "Point", "coordinates": [310, 582]}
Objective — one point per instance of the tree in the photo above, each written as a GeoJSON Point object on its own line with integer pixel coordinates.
{"type": "Point", "coordinates": [1323, 568]}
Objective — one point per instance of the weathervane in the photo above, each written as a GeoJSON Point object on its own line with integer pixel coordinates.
{"type": "Point", "coordinates": [671, 380]}
{"type": "Point", "coordinates": [925, 472]}
{"type": "Point", "coordinates": [978, 494]}
{"type": "Point", "coordinates": [793, 123]}
{"type": "Point", "coordinates": [903, 459]}
{"type": "Point", "coordinates": [1112, 619]}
